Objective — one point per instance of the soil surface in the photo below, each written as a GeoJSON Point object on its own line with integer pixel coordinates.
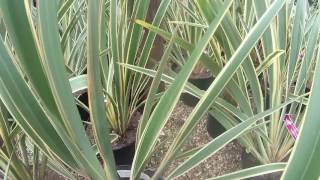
{"type": "Point", "coordinates": [129, 136]}
{"type": "Point", "coordinates": [226, 160]}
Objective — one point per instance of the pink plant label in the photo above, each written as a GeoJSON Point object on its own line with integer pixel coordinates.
{"type": "Point", "coordinates": [293, 130]}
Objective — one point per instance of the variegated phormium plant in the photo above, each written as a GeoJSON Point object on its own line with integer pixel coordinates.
{"type": "Point", "coordinates": [278, 68]}
{"type": "Point", "coordinates": [38, 104]}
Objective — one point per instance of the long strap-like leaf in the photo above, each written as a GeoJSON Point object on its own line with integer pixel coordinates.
{"type": "Point", "coordinates": [53, 61]}
{"type": "Point", "coordinates": [20, 30]}
{"type": "Point", "coordinates": [252, 172]}
{"type": "Point", "coordinates": [95, 93]}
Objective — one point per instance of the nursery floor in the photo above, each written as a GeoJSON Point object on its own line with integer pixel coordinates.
{"type": "Point", "coordinates": [228, 159]}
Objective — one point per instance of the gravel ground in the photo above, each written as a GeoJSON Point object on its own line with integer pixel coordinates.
{"type": "Point", "coordinates": [228, 159]}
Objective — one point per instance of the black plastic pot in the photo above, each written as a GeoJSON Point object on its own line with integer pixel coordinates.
{"type": "Point", "coordinates": [83, 113]}
{"type": "Point", "coordinates": [214, 128]}
{"type": "Point", "coordinates": [202, 82]}
{"type": "Point", "coordinates": [270, 176]}
{"type": "Point", "coordinates": [248, 160]}
{"type": "Point", "coordinates": [124, 155]}
{"type": "Point", "coordinates": [123, 152]}
{"type": "Point", "coordinates": [124, 149]}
